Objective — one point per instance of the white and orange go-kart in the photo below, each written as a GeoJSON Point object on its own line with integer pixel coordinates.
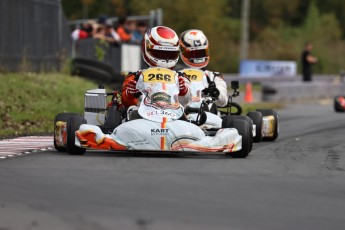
{"type": "Point", "coordinates": [263, 123]}
{"type": "Point", "coordinates": [163, 125]}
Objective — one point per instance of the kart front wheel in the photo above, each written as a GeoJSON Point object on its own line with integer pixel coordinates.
{"type": "Point", "coordinates": [73, 124]}
{"type": "Point", "coordinates": [242, 126]}
{"type": "Point", "coordinates": [64, 118]}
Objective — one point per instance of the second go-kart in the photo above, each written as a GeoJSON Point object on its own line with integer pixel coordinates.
{"type": "Point", "coordinates": [339, 103]}
{"type": "Point", "coordinates": [263, 123]}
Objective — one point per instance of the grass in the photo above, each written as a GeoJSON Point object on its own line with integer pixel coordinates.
{"type": "Point", "coordinates": [29, 101]}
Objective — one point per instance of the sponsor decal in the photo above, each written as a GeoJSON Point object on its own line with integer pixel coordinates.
{"type": "Point", "coordinates": [160, 132]}
{"type": "Point", "coordinates": [161, 113]}
{"type": "Point", "coordinates": [160, 97]}
{"type": "Point", "coordinates": [139, 142]}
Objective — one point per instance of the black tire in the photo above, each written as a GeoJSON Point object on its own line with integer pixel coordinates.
{"type": "Point", "coordinates": [256, 117]}
{"type": "Point", "coordinates": [337, 107]}
{"type": "Point", "coordinates": [271, 112]}
{"type": "Point", "coordinates": [98, 71]}
{"type": "Point", "coordinates": [61, 117]}
{"type": "Point", "coordinates": [242, 127]}
{"type": "Point", "coordinates": [73, 125]}
{"type": "Point", "coordinates": [243, 118]}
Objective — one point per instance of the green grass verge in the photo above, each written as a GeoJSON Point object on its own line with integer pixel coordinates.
{"type": "Point", "coordinates": [29, 101]}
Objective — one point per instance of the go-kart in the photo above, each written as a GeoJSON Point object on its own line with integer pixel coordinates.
{"type": "Point", "coordinates": [163, 126]}
{"type": "Point", "coordinates": [263, 123]}
{"type": "Point", "coordinates": [339, 104]}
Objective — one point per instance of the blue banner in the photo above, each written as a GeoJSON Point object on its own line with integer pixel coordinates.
{"type": "Point", "coordinates": [257, 68]}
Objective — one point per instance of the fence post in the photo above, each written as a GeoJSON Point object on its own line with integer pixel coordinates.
{"type": "Point", "coordinates": [159, 13]}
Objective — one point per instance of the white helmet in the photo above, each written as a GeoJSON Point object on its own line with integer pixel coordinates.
{"type": "Point", "coordinates": [160, 47]}
{"type": "Point", "coordinates": [194, 48]}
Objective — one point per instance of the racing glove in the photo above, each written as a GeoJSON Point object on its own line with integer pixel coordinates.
{"type": "Point", "coordinates": [131, 88]}
{"type": "Point", "coordinates": [182, 86]}
{"type": "Point", "coordinates": [211, 90]}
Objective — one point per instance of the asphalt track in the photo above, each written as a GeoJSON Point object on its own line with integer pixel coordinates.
{"type": "Point", "coordinates": [297, 182]}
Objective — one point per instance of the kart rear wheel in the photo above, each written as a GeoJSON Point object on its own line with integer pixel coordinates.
{"type": "Point", "coordinates": [243, 129]}
{"type": "Point", "coordinates": [73, 124]}
{"type": "Point", "coordinates": [61, 117]}
{"type": "Point", "coordinates": [257, 120]}
{"type": "Point", "coordinates": [243, 118]}
{"type": "Point", "coordinates": [271, 112]}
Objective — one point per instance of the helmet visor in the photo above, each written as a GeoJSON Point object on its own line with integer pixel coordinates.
{"type": "Point", "coordinates": [193, 54]}
{"type": "Point", "coordinates": [163, 54]}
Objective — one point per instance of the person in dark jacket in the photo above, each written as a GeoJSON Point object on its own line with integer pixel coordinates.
{"type": "Point", "coordinates": [308, 60]}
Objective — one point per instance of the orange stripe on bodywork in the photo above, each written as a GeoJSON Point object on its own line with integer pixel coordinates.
{"type": "Point", "coordinates": [163, 138]}
{"type": "Point", "coordinates": [162, 142]}
{"type": "Point", "coordinates": [164, 123]}
{"type": "Point", "coordinates": [164, 86]}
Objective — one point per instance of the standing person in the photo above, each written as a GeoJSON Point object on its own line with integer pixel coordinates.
{"type": "Point", "coordinates": [307, 61]}
{"type": "Point", "coordinates": [86, 31]}
{"type": "Point", "coordinates": [107, 33]}
{"type": "Point", "coordinates": [194, 53]}
{"type": "Point", "coordinates": [139, 32]}
{"type": "Point", "coordinates": [160, 51]}
{"type": "Point", "coordinates": [124, 30]}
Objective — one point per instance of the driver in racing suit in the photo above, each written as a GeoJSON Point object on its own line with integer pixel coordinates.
{"type": "Point", "coordinates": [195, 54]}
{"type": "Point", "coordinates": [159, 48]}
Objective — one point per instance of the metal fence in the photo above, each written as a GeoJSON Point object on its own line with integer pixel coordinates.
{"type": "Point", "coordinates": [124, 57]}
{"type": "Point", "coordinates": [34, 35]}
{"type": "Point", "coordinates": [154, 18]}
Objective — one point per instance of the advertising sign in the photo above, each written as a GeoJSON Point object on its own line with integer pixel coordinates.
{"type": "Point", "coordinates": [257, 68]}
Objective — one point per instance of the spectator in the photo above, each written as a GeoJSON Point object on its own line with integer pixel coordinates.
{"type": "Point", "coordinates": [125, 29]}
{"type": "Point", "coordinates": [307, 61]}
{"type": "Point", "coordinates": [107, 33]}
{"type": "Point", "coordinates": [85, 31]}
{"type": "Point", "coordinates": [139, 32]}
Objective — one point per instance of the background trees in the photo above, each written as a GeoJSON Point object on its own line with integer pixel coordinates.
{"type": "Point", "coordinates": [278, 28]}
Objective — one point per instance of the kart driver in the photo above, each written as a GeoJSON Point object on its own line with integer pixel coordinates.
{"type": "Point", "coordinates": [195, 54]}
{"type": "Point", "coordinates": [159, 48]}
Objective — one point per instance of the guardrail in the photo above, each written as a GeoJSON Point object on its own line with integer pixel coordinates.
{"type": "Point", "coordinates": [290, 89]}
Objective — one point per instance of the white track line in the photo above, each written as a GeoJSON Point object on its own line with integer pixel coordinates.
{"type": "Point", "coordinates": [24, 145]}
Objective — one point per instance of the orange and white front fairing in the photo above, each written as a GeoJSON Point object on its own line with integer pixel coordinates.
{"type": "Point", "coordinates": [91, 136]}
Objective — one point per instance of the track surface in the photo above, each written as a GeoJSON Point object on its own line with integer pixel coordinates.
{"type": "Point", "coordinates": [297, 182]}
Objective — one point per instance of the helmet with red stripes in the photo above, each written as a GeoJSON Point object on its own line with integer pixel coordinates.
{"type": "Point", "coordinates": [160, 47]}
{"type": "Point", "coordinates": [194, 48]}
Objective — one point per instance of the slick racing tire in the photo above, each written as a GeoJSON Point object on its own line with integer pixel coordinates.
{"type": "Point", "coordinates": [73, 124]}
{"type": "Point", "coordinates": [271, 112]}
{"type": "Point", "coordinates": [257, 120]}
{"type": "Point", "coordinates": [242, 126]}
{"type": "Point", "coordinates": [61, 117]}
{"type": "Point", "coordinates": [245, 118]}
{"type": "Point", "coordinates": [337, 107]}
